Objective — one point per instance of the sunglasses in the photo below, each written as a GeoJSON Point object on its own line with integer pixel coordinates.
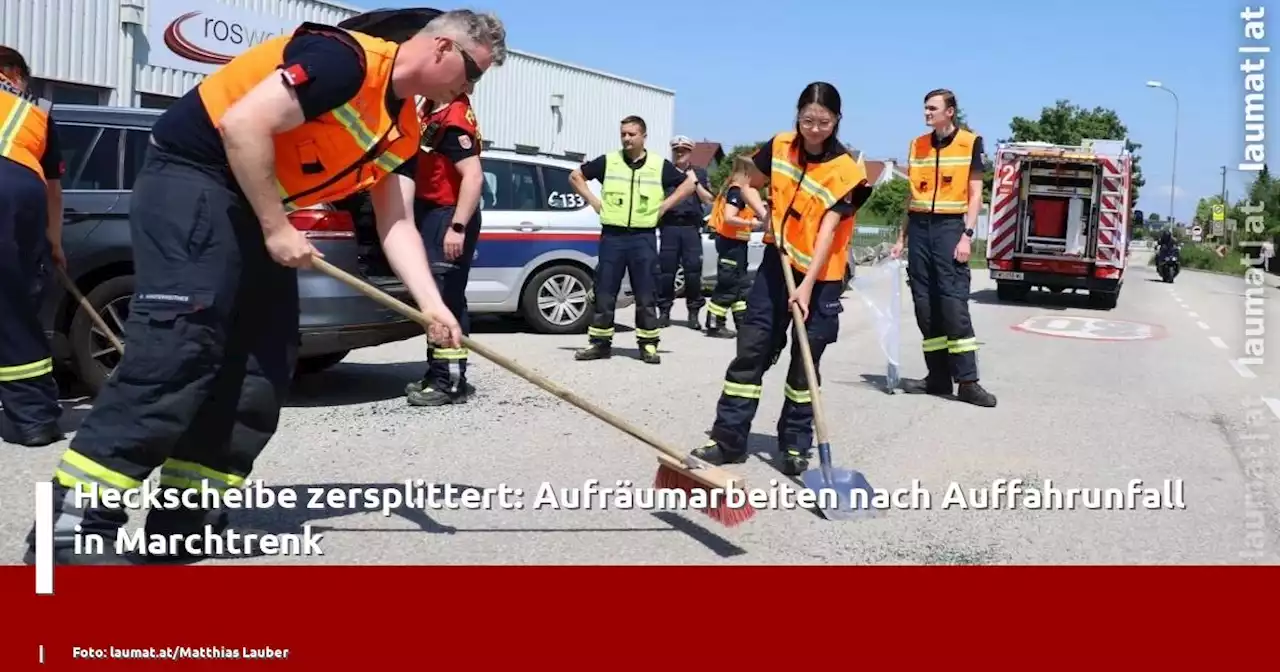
{"type": "Point", "coordinates": [473, 71]}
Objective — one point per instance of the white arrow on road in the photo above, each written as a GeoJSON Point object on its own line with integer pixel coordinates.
{"type": "Point", "coordinates": [1274, 405]}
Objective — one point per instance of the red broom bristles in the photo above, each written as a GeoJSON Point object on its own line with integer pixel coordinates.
{"type": "Point", "coordinates": [729, 516]}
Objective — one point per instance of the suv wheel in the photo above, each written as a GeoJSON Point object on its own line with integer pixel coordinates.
{"type": "Point", "coordinates": [557, 300]}
{"type": "Point", "coordinates": [95, 358]}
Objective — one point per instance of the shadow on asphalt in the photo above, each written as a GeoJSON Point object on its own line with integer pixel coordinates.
{"type": "Point", "coordinates": [1040, 299]}
{"type": "Point", "coordinates": [290, 521]}
{"type": "Point", "coordinates": [74, 411]}
{"type": "Point", "coordinates": [351, 383]}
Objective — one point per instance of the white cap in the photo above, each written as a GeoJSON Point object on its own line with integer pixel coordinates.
{"type": "Point", "coordinates": [681, 141]}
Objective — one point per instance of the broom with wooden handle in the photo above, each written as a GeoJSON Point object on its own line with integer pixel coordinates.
{"type": "Point", "coordinates": [675, 469]}
{"type": "Point", "coordinates": [97, 320]}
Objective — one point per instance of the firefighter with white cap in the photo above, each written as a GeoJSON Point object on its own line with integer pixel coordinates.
{"type": "Point", "coordinates": [680, 242]}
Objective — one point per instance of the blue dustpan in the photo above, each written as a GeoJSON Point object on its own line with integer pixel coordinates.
{"type": "Point", "coordinates": [842, 494]}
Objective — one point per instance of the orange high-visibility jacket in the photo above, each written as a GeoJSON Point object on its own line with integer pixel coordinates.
{"type": "Point", "coordinates": [726, 228]}
{"type": "Point", "coordinates": [345, 150]}
{"type": "Point", "coordinates": [810, 191]}
{"type": "Point", "coordinates": [940, 179]}
{"type": "Point", "coordinates": [24, 129]}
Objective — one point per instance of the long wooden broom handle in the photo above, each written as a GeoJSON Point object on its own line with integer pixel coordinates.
{"type": "Point", "coordinates": [501, 360]}
{"type": "Point", "coordinates": [94, 317]}
{"type": "Point", "coordinates": [802, 335]}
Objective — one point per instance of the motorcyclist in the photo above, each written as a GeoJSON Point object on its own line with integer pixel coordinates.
{"type": "Point", "coordinates": [1167, 243]}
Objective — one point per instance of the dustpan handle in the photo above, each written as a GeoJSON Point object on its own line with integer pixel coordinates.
{"type": "Point", "coordinates": [802, 338]}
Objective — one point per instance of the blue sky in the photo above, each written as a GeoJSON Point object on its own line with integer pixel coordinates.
{"type": "Point", "coordinates": [734, 83]}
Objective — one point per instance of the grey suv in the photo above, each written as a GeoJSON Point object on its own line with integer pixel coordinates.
{"type": "Point", "coordinates": [103, 148]}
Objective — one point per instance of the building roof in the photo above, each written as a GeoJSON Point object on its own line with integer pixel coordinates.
{"type": "Point", "coordinates": [705, 152]}
{"type": "Point", "coordinates": [874, 169]}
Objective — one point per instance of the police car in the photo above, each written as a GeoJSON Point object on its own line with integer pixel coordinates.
{"type": "Point", "coordinates": [539, 242]}
{"type": "Point", "coordinates": [538, 246]}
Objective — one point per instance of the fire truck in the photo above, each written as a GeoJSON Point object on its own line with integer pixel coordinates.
{"type": "Point", "coordinates": [1060, 219]}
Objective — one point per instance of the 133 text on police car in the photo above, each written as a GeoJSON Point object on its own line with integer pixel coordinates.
{"type": "Point", "coordinates": [1255, 131]}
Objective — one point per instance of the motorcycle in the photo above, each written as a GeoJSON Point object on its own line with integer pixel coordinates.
{"type": "Point", "coordinates": [1168, 264]}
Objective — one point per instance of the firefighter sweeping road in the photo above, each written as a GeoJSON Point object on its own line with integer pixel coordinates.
{"type": "Point", "coordinates": [1092, 399]}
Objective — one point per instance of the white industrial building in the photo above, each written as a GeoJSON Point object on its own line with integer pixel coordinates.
{"type": "Point", "coordinates": [146, 53]}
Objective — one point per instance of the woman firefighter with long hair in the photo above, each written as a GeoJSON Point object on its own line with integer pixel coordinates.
{"type": "Point", "coordinates": [731, 221]}
{"type": "Point", "coordinates": [815, 188]}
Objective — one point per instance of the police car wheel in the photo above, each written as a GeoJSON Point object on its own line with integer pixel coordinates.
{"type": "Point", "coordinates": [557, 300]}
{"type": "Point", "coordinates": [91, 351]}
{"type": "Point", "coordinates": [678, 285]}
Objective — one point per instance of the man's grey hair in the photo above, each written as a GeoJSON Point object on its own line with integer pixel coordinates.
{"type": "Point", "coordinates": [480, 29]}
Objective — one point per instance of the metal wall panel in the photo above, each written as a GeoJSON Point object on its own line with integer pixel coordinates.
{"type": "Point", "coordinates": [175, 82]}
{"type": "Point", "coordinates": [93, 42]}
{"type": "Point", "coordinates": [514, 105]}
{"type": "Point", "coordinates": [77, 41]}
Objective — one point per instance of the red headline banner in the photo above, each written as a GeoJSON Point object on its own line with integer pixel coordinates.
{"type": "Point", "coordinates": [567, 618]}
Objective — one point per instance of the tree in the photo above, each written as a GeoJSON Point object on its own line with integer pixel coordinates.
{"type": "Point", "coordinates": [888, 203]}
{"type": "Point", "coordinates": [1153, 217]}
{"type": "Point", "coordinates": [1067, 124]}
{"type": "Point", "coordinates": [1204, 209]}
{"type": "Point", "coordinates": [1265, 192]}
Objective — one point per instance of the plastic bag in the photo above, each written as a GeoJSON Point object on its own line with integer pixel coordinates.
{"type": "Point", "coordinates": [880, 288]}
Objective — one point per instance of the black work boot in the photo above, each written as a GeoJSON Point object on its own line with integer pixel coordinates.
{"type": "Point", "coordinates": [940, 388]}
{"type": "Point", "coordinates": [716, 327]}
{"type": "Point", "coordinates": [38, 438]}
{"type": "Point", "coordinates": [971, 392]}
{"type": "Point", "coordinates": [649, 353]}
{"type": "Point", "coordinates": [431, 396]}
{"type": "Point", "coordinates": [664, 318]}
{"type": "Point", "coordinates": [594, 351]}
{"type": "Point", "coordinates": [714, 454]}
{"type": "Point", "coordinates": [693, 318]}
{"type": "Point", "coordinates": [794, 462]}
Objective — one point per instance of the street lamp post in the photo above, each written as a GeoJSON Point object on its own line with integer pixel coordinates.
{"type": "Point", "coordinates": [1173, 178]}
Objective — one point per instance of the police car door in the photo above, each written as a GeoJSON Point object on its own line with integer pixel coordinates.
{"type": "Point", "coordinates": [511, 215]}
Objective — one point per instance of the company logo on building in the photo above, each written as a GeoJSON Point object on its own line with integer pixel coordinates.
{"type": "Point", "coordinates": [211, 40]}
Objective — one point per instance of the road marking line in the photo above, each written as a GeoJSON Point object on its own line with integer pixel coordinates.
{"type": "Point", "coordinates": [1244, 373]}
{"type": "Point", "coordinates": [1193, 314]}
{"type": "Point", "coordinates": [1274, 405]}
{"type": "Point", "coordinates": [1218, 342]}
{"type": "Point", "coordinates": [1202, 325]}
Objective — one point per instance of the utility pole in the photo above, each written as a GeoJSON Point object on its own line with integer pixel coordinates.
{"type": "Point", "coordinates": [1231, 235]}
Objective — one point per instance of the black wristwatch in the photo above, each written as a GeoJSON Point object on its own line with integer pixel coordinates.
{"type": "Point", "coordinates": [458, 227]}
{"type": "Point", "coordinates": [968, 232]}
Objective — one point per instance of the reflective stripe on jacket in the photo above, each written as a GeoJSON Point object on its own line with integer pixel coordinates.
{"type": "Point", "coordinates": [810, 190]}
{"type": "Point", "coordinates": [630, 197]}
{"type": "Point", "coordinates": [24, 128]}
{"type": "Point", "coordinates": [940, 178]}
{"type": "Point", "coordinates": [342, 152]}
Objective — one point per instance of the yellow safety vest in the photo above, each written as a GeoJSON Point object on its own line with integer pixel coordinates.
{"type": "Point", "coordinates": [630, 197]}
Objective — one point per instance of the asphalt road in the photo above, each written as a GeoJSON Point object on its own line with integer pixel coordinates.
{"type": "Point", "coordinates": [1082, 412]}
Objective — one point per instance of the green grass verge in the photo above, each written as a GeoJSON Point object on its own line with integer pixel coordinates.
{"type": "Point", "coordinates": [1205, 258]}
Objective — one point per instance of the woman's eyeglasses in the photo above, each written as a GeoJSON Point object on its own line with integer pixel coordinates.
{"type": "Point", "coordinates": [816, 124]}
